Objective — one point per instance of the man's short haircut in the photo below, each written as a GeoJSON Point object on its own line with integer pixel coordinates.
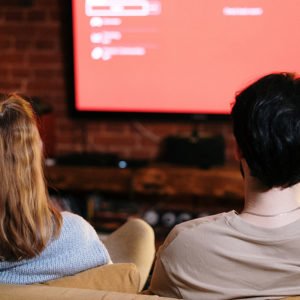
{"type": "Point", "coordinates": [266, 125]}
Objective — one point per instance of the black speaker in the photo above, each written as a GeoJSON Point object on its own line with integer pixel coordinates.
{"type": "Point", "coordinates": [201, 152]}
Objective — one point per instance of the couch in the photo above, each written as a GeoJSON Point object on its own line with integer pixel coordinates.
{"type": "Point", "coordinates": [117, 282]}
{"type": "Point", "coordinates": [132, 250]}
{"type": "Point", "coordinates": [59, 293]}
{"type": "Point", "coordinates": [111, 282]}
{"type": "Point", "coordinates": [122, 280]}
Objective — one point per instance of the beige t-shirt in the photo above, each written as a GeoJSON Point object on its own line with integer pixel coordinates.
{"type": "Point", "coordinates": [223, 257]}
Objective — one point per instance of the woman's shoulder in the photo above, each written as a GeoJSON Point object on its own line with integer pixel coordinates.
{"type": "Point", "coordinates": [76, 240]}
{"type": "Point", "coordinates": [71, 217]}
{"type": "Point", "coordinates": [73, 222]}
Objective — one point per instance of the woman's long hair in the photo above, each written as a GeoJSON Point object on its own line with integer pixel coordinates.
{"type": "Point", "coordinates": [28, 220]}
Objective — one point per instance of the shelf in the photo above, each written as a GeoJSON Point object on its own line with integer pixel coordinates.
{"type": "Point", "coordinates": [163, 180]}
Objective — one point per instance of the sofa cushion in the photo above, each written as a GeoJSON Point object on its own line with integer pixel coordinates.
{"type": "Point", "coordinates": [42, 292]}
{"type": "Point", "coordinates": [121, 277]}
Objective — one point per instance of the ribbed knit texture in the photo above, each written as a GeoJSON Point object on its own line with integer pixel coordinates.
{"type": "Point", "coordinates": [77, 248]}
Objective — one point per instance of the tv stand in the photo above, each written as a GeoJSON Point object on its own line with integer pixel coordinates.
{"type": "Point", "coordinates": [157, 188]}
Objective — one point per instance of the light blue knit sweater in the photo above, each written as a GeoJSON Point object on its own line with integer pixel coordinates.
{"type": "Point", "coordinates": [77, 248]}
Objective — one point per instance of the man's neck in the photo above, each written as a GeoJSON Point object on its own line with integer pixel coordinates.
{"type": "Point", "coordinates": [271, 201]}
{"type": "Point", "coordinates": [262, 203]}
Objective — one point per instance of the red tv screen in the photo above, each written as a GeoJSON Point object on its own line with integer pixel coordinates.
{"type": "Point", "coordinates": [178, 56]}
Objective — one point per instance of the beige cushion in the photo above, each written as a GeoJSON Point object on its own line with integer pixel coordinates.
{"type": "Point", "coordinates": [122, 277]}
{"type": "Point", "coordinates": [41, 292]}
{"type": "Point", "coordinates": [133, 242]}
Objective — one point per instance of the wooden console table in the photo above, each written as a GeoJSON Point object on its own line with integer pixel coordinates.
{"type": "Point", "coordinates": [158, 188]}
{"type": "Point", "coordinates": [161, 180]}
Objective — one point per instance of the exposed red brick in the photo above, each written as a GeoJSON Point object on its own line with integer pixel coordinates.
{"type": "Point", "coordinates": [63, 123]}
{"type": "Point", "coordinates": [6, 43]}
{"type": "Point", "coordinates": [12, 3]}
{"type": "Point", "coordinates": [18, 29]}
{"type": "Point", "coordinates": [46, 73]}
{"type": "Point", "coordinates": [8, 87]}
{"type": "Point", "coordinates": [22, 44]}
{"type": "Point", "coordinates": [145, 153]}
{"type": "Point", "coordinates": [11, 59]}
{"type": "Point", "coordinates": [147, 142]}
{"type": "Point", "coordinates": [45, 59]}
{"type": "Point", "coordinates": [20, 73]}
{"type": "Point", "coordinates": [14, 15]}
{"type": "Point", "coordinates": [64, 148]}
{"type": "Point", "coordinates": [55, 15]}
{"type": "Point", "coordinates": [47, 4]}
{"type": "Point", "coordinates": [51, 83]}
{"type": "Point", "coordinates": [51, 31]}
{"type": "Point", "coordinates": [117, 127]}
{"type": "Point", "coordinates": [36, 15]}
{"type": "Point", "coordinates": [4, 73]}
{"type": "Point", "coordinates": [120, 140]}
{"type": "Point", "coordinates": [45, 44]}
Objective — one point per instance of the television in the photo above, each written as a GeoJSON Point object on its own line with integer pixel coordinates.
{"type": "Point", "coordinates": [176, 58]}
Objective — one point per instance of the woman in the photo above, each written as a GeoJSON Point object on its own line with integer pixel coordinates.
{"type": "Point", "coordinates": [37, 242]}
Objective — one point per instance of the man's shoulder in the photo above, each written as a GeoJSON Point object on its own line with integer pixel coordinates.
{"type": "Point", "coordinates": [192, 224]}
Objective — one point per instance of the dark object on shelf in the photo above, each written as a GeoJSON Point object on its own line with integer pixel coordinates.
{"type": "Point", "coordinates": [200, 152]}
{"type": "Point", "coordinates": [132, 163]}
{"type": "Point", "coordinates": [88, 159]}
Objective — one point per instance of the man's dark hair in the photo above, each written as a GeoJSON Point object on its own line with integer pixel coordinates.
{"type": "Point", "coordinates": [266, 125]}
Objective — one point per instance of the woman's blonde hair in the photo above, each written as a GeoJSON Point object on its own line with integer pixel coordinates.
{"type": "Point", "coordinates": [28, 220]}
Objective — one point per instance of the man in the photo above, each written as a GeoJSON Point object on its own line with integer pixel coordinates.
{"type": "Point", "coordinates": [254, 254]}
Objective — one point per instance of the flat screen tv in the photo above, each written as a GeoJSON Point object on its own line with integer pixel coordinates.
{"type": "Point", "coordinates": [177, 57]}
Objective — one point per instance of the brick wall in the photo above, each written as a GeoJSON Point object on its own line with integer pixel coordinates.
{"type": "Point", "coordinates": [32, 62]}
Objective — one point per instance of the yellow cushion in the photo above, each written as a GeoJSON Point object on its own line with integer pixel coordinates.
{"type": "Point", "coordinates": [120, 277]}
